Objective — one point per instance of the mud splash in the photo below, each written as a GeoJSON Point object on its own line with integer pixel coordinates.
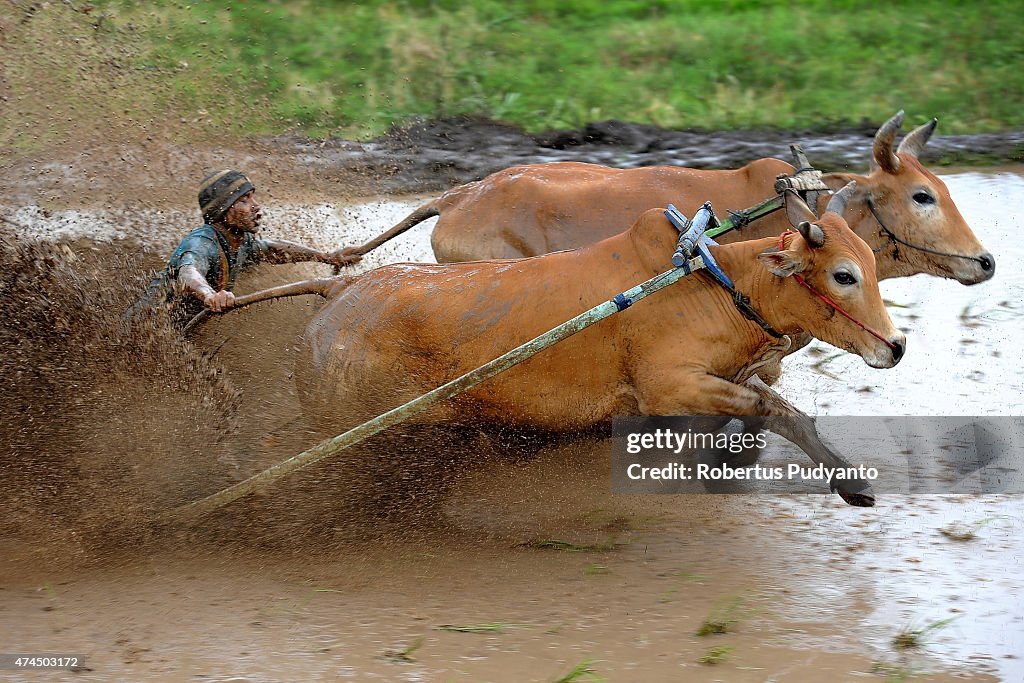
{"type": "Point", "coordinates": [100, 418]}
{"type": "Point", "coordinates": [110, 422]}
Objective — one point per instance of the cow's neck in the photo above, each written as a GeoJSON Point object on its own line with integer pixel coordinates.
{"type": "Point", "coordinates": [654, 240]}
{"type": "Point", "coordinates": [771, 296]}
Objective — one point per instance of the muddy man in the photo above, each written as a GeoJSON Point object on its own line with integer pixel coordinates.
{"type": "Point", "coordinates": [202, 270]}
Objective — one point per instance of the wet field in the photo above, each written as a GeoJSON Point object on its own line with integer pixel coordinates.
{"type": "Point", "coordinates": [420, 558]}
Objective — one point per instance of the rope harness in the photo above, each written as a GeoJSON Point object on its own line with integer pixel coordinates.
{"type": "Point", "coordinates": [693, 238]}
{"type": "Point", "coordinates": [828, 300]}
{"type": "Point", "coordinates": [896, 241]}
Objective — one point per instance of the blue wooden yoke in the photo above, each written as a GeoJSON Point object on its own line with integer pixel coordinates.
{"type": "Point", "coordinates": [693, 241]}
{"type": "Point", "coordinates": [693, 238]}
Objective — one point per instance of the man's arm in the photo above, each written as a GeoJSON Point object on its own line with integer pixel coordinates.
{"type": "Point", "coordinates": [192, 281]}
{"type": "Point", "coordinates": [282, 251]}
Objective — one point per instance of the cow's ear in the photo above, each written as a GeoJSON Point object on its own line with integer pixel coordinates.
{"type": "Point", "coordinates": [782, 263]}
{"type": "Point", "coordinates": [797, 211]}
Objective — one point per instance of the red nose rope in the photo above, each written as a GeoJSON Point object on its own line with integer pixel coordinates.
{"type": "Point", "coordinates": [836, 307]}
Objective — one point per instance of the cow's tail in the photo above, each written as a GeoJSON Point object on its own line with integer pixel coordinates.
{"type": "Point", "coordinates": [326, 287]}
{"type": "Point", "coordinates": [428, 210]}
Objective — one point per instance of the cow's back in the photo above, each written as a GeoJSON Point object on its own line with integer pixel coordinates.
{"type": "Point", "coordinates": [405, 329]}
{"type": "Point", "coordinates": [536, 209]}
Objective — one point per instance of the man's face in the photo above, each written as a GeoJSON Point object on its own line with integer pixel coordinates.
{"type": "Point", "coordinates": [244, 214]}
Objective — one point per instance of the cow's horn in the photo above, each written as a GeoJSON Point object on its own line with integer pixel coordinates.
{"type": "Point", "coordinates": [812, 234]}
{"type": "Point", "coordinates": [882, 154]}
{"type": "Point", "coordinates": [917, 139]}
{"type": "Point", "coordinates": [837, 204]}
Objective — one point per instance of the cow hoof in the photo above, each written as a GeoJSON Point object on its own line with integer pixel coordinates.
{"type": "Point", "coordinates": [861, 499]}
{"type": "Point", "coordinates": [855, 492]}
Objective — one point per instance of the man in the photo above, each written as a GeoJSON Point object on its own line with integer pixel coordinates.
{"type": "Point", "coordinates": [202, 270]}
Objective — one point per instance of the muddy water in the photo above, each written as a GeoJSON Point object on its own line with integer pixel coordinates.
{"type": "Point", "coordinates": [330, 578]}
{"type": "Point", "coordinates": [963, 359]}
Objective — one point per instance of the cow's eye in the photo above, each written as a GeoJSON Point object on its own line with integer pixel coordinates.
{"type": "Point", "coordinates": [923, 198]}
{"type": "Point", "coordinates": [844, 278]}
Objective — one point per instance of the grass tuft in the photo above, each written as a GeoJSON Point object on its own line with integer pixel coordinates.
{"type": "Point", "coordinates": [566, 546]}
{"type": "Point", "coordinates": [584, 671]}
{"type": "Point", "coordinates": [963, 531]}
{"type": "Point", "coordinates": [724, 618]}
{"type": "Point", "coordinates": [405, 655]}
{"type": "Point", "coordinates": [912, 638]}
{"type": "Point", "coordinates": [893, 673]}
{"type": "Point", "coordinates": [716, 655]}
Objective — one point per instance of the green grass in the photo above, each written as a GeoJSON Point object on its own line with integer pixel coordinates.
{"type": "Point", "coordinates": [405, 654]}
{"type": "Point", "coordinates": [725, 617]}
{"type": "Point", "coordinates": [894, 673]}
{"type": "Point", "coordinates": [716, 655]}
{"type": "Point", "coordinates": [354, 69]}
{"type": "Point", "coordinates": [967, 531]}
{"type": "Point", "coordinates": [566, 546]}
{"type": "Point", "coordinates": [680, 577]}
{"type": "Point", "coordinates": [913, 637]}
{"type": "Point", "coordinates": [584, 671]}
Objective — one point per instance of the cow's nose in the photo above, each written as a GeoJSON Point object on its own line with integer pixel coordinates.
{"type": "Point", "coordinates": [987, 262]}
{"type": "Point", "coordinates": [898, 348]}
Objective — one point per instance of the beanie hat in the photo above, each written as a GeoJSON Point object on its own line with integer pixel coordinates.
{"type": "Point", "coordinates": [219, 190]}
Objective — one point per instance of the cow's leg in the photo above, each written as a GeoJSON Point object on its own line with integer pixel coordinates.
{"type": "Point", "coordinates": [708, 424]}
{"type": "Point", "coordinates": [766, 372]}
{"type": "Point", "coordinates": [697, 393]}
{"type": "Point", "coordinates": [799, 428]}
{"type": "Point", "coordinates": [767, 375]}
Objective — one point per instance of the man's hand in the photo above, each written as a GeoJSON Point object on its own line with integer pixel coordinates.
{"type": "Point", "coordinates": [282, 251]}
{"type": "Point", "coordinates": [192, 281]}
{"type": "Point", "coordinates": [344, 257]}
{"type": "Point", "coordinates": [219, 302]}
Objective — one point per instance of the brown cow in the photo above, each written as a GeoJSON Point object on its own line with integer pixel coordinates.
{"type": "Point", "coordinates": [404, 329]}
{"type": "Point", "coordinates": [535, 209]}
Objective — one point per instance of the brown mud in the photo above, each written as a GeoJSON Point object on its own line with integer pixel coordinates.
{"type": "Point", "coordinates": [140, 172]}
{"type": "Point", "coordinates": [417, 556]}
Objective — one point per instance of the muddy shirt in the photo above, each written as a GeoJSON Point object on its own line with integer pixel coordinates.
{"type": "Point", "coordinates": [208, 252]}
